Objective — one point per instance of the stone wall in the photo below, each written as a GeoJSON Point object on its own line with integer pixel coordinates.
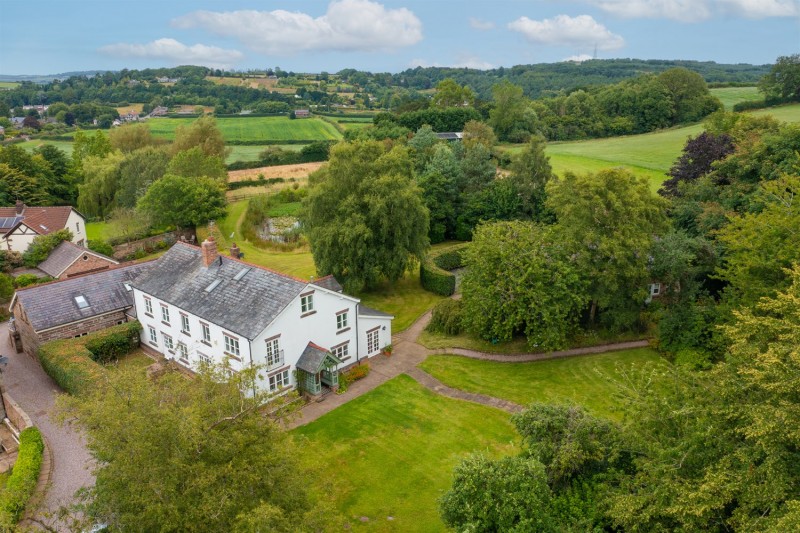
{"type": "Point", "coordinates": [121, 251]}
{"type": "Point", "coordinates": [15, 414]}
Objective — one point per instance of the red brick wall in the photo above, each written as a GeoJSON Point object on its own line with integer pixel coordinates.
{"type": "Point", "coordinates": [91, 264]}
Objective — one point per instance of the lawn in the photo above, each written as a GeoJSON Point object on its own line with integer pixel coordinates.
{"type": "Point", "coordinates": [593, 381]}
{"type": "Point", "coordinates": [31, 145]}
{"type": "Point", "coordinates": [252, 153]}
{"type": "Point", "coordinates": [391, 452]}
{"type": "Point", "coordinates": [135, 359]}
{"type": "Point", "coordinates": [730, 96]}
{"type": "Point", "coordinates": [406, 300]}
{"type": "Point", "coordinates": [98, 231]}
{"type": "Point", "coordinates": [8, 85]}
{"type": "Point", "coordinates": [255, 128]}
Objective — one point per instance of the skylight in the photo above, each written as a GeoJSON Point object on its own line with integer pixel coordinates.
{"type": "Point", "coordinates": [213, 285]}
{"type": "Point", "coordinates": [239, 275]}
{"type": "Point", "coordinates": [81, 301]}
{"type": "Point", "coordinates": [128, 287]}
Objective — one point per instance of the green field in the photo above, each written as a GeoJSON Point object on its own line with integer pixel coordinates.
{"type": "Point", "coordinates": [251, 152]}
{"type": "Point", "coordinates": [786, 113]}
{"type": "Point", "coordinates": [391, 453]}
{"type": "Point", "coordinates": [8, 85]}
{"type": "Point", "coordinates": [592, 381]}
{"type": "Point", "coordinates": [730, 96]}
{"type": "Point", "coordinates": [255, 128]}
{"type": "Point", "coordinates": [31, 145]}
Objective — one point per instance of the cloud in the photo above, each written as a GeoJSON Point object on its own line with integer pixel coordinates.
{"type": "Point", "coordinates": [580, 58]}
{"type": "Point", "coordinates": [698, 10]}
{"type": "Point", "coordinates": [348, 25]}
{"type": "Point", "coordinates": [176, 52]}
{"type": "Point", "coordinates": [479, 24]}
{"type": "Point", "coordinates": [564, 30]}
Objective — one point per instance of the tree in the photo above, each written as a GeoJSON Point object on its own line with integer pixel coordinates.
{"type": "Point", "coordinates": [477, 132]}
{"type": "Point", "coordinates": [530, 173]}
{"type": "Point", "coordinates": [689, 93]}
{"type": "Point", "coordinates": [450, 94]}
{"type": "Point", "coordinates": [97, 193]}
{"type": "Point", "coordinates": [422, 144]}
{"type": "Point", "coordinates": [194, 163]}
{"type": "Point", "coordinates": [510, 494]}
{"type": "Point", "coordinates": [31, 122]}
{"type": "Point", "coordinates": [696, 160]}
{"type": "Point", "coordinates": [14, 185]}
{"type": "Point", "coordinates": [131, 137]}
{"type": "Point", "coordinates": [440, 196]}
{"type": "Point", "coordinates": [42, 245]}
{"type": "Point", "coordinates": [204, 133]}
{"type": "Point", "coordinates": [607, 221]}
{"type": "Point", "coordinates": [199, 451]}
{"type": "Point", "coordinates": [783, 80]}
{"type": "Point", "coordinates": [183, 202]}
{"type": "Point", "coordinates": [137, 171]}
{"type": "Point", "coordinates": [128, 224]}
{"type": "Point", "coordinates": [364, 215]}
{"type": "Point", "coordinates": [510, 117]}
{"type": "Point", "coordinates": [519, 279]}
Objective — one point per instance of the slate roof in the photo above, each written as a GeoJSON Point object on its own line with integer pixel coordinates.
{"type": "Point", "coordinates": [450, 135]}
{"type": "Point", "coordinates": [313, 358]}
{"type": "Point", "coordinates": [53, 304]}
{"type": "Point", "coordinates": [244, 307]}
{"type": "Point", "coordinates": [42, 220]}
{"type": "Point", "coordinates": [64, 255]}
{"type": "Point", "coordinates": [328, 282]}
{"type": "Point", "coordinates": [363, 310]}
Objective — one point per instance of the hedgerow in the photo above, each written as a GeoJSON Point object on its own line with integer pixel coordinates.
{"type": "Point", "coordinates": [23, 479]}
{"type": "Point", "coordinates": [433, 271]}
{"type": "Point", "coordinates": [114, 344]}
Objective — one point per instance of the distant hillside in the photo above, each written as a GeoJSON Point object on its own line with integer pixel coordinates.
{"type": "Point", "coordinates": [47, 78]}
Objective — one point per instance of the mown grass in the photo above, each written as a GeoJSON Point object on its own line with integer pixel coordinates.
{"type": "Point", "coordinates": [255, 128]}
{"type": "Point", "coordinates": [391, 453]}
{"type": "Point", "coordinates": [135, 359]}
{"type": "Point", "coordinates": [592, 381]}
{"type": "Point", "coordinates": [252, 153]}
{"type": "Point", "coordinates": [405, 299]}
{"type": "Point", "coordinates": [31, 145]}
{"type": "Point", "coordinates": [98, 231]}
{"type": "Point", "coordinates": [7, 85]}
{"type": "Point", "coordinates": [786, 113]}
{"type": "Point", "coordinates": [730, 96]}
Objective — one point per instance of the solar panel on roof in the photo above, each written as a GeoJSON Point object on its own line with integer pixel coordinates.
{"type": "Point", "coordinates": [7, 222]}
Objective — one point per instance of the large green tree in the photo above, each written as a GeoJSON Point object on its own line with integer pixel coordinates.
{"type": "Point", "coordinates": [783, 80]}
{"type": "Point", "coordinates": [131, 137]}
{"type": "Point", "coordinates": [194, 163]}
{"type": "Point", "coordinates": [510, 117]}
{"type": "Point", "coordinates": [519, 279]}
{"type": "Point", "coordinates": [364, 215]}
{"type": "Point", "coordinates": [204, 133]}
{"type": "Point", "coordinates": [530, 173]}
{"type": "Point", "coordinates": [183, 202]}
{"type": "Point", "coordinates": [178, 454]}
{"type": "Point", "coordinates": [608, 222]}
{"type": "Point", "coordinates": [137, 171]}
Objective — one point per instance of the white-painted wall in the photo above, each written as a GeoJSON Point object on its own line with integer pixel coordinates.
{"type": "Point", "coordinates": [384, 328]}
{"type": "Point", "coordinates": [20, 238]}
{"type": "Point", "coordinates": [77, 225]}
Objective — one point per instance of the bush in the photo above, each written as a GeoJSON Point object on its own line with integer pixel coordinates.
{"type": "Point", "coordinates": [446, 317]}
{"type": "Point", "coordinates": [70, 363]}
{"type": "Point", "coordinates": [6, 287]}
{"type": "Point", "coordinates": [116, 344]}
{"type": "Point", "coordinates": [693, 358]}
{"type": "Point", "coordinates": [433, 271]}
{"type": "Point", "coordinates": [24, 280]}
{"type": "Point", "coordinates": [101, 247]}
{"type": "Point", "coordinates": [23, 479]}
{"type": "Point", "coordinates": [10, 260]}
{"type": "Point", "coordinates": [42, 245]}
{"type": "Point", "coordinates": [353, 374]}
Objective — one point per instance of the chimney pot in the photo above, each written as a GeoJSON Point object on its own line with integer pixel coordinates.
{"type": "Point", "coordinates": [209, 250]}
{"type": "Point", "coordinates": [235, 252]}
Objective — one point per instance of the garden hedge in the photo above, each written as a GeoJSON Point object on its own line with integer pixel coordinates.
{"type": "Point", "coordinates": [70, 363]}
{"type": "Point", "coordinates": [434, 270]}
{"type": "Point", "coordinates": [24, 477]}
{"type": "Point", "coordinates": [114, 343]}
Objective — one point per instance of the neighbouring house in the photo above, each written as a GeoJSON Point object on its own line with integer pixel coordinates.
{"type": "Point", "coordinates": [73, 307]}
{"type": "Point", "coordinates": [159, 111]}
{"type": "Point", "coordinates": [450, 135]}
{"type": "Point", "coordinates": [20, 224]}
{"type": "Point", "coordinates": [196, 306]}
{"type": "Point", "coordinates": [302, 113]}
{"type": "Point", "coordinates": [68, 260]}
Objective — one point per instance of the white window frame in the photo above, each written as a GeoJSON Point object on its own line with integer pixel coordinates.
{"type": "Point", "coordinates": [279, 380]}
{"type": "Point", "coordinates": [274, 354]}
{"type": "Point", "coordinates": [655, 289]}
{"type": "Point", "coordinates": [373, 341]}
{"type": "Point", "coordinates": [307, 303]}
{"type": "Point", "coordinates": [165, 313]}
{"type": "Point", "coordinates": [169, 344]}
{"type": "Point", "coordinates": [203, 358]}
{"type": "Point", "coordinates": [341, 321]}
{"type": "Point", "coordinates": [231, 345]}
{"type": "Point", "coordinates": [148, 306]}
{"type": "Point", "coordinates": [153, 335]}
{"type": "Point", "coordinates": [183, 351]}
{"type": "Point", "coordinates": [185, 323]}
{"type": "Point", "coordinates": [342, 352]}
{"type": "Point", "coordinates": [206, 329]}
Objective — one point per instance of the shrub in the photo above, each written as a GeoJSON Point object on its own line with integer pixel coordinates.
{"type": "Point", "coordinates": [25, 280]}
{"type": "Point", "coordinates": [70, 363]}
{"type": "Point", "coordinates": [10, 260]}
{"type": "Point", "coordinates": [353, 374]}
{"type": "Point", "coordinates": [42, 245]}
{"type": "Point", "coordinates": [447, 317]}
{"type": "Point", "coordinates": [101, 247]}
{"type": "Point", "coordinates": [693, 358]}
{"type": "Point", "coordinates": [6, 287]}
{"type": "Point", "coordinates": [23, 479]}
{"type": "Point", "coordinates": [115, 344]}
{"type": "Point", "coordinates": [433, 271]}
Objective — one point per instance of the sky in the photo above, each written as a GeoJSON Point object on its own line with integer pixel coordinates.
{"type": "Point", "coordinates": [55, 36]}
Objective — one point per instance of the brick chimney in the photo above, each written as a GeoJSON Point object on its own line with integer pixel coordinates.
{"type": "Point", "coordinates": [209, 249]}
{"type": "Point", "coordinates": [235, 252]}
{"type": "Point", "coordinates": [19, 207]}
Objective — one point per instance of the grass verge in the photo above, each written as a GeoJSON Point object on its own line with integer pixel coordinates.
{"type": "Point", "coordinates": [391, 452]}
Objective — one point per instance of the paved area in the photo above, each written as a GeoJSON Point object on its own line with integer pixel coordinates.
{"type": "Point", "coordinates": [35, 393]}
{"type": "Point", "coordinates": [408, 353]}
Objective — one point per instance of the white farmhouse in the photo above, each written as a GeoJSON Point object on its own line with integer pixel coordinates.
{"type": "Point", "coordinates": [20, 224]}
{"type": "Point", "coordinates": [197, 305]}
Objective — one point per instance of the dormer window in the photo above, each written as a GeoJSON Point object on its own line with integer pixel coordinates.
{"type": "Point", "coordinates": [80, 300]}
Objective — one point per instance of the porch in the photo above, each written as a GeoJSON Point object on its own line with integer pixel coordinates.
{"type": "Point", "coordinates": [316, 370]}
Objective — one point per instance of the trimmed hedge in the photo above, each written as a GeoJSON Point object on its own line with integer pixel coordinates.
{"type": "Point", "coordinates": [114, 344]}
{"type": "Point", "coordinates": [24, 476]}
{"type": "Point", "coordinates": [70, 363]}
{"type": "Point", "coordinates": [433, 271]}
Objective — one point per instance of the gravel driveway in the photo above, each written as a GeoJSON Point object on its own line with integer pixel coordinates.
{"type": "Point", "coordinates": [35, 392]}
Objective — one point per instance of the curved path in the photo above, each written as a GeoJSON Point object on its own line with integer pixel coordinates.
{"type": "Point", "coordinates": [408, 353]}
{"type": "Point", "coordinates": [35, 393]}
